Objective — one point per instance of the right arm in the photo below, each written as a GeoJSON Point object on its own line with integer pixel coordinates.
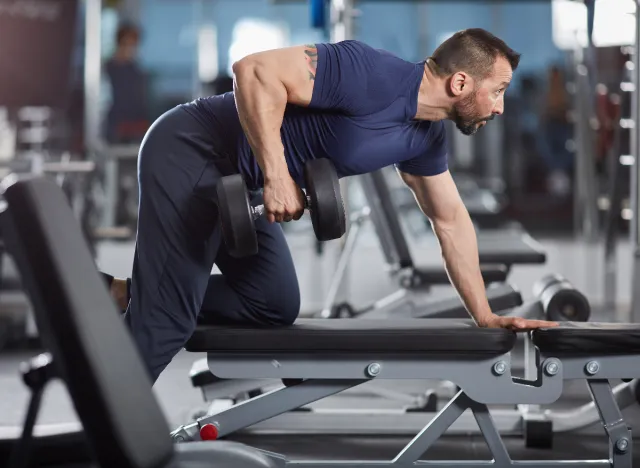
{"type": "Point", "coordinates": [327, 76]}
{"type": "Point", "coordinates": [264, 83]}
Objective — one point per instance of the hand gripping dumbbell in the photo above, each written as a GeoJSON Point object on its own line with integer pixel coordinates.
{"type": "Point", "coordinates": [322, 199]}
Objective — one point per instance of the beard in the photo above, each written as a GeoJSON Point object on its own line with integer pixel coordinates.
{"type": "Point", "coordinates": [466, 117]}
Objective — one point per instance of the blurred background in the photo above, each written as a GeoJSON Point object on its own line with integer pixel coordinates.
{"type": "Point", "coordinates": [82, 80]}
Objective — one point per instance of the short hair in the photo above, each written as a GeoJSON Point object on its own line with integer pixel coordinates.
{"type": "Point", "coordinates": [125, 30]}
{"type": "Point", "coordinates": [473, 51]}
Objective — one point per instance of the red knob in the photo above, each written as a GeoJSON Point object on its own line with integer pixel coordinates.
{"type": "Point", "coordinates": [209, 432]}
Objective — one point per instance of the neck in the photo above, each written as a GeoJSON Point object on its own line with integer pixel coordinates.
{"type": "Point", "coordinates": [433, 103]}
{"type": "Point", "coordinates": [122, 56]}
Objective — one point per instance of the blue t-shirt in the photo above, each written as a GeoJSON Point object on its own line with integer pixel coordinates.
{"type": "Point", "coordinates": [361, 116]}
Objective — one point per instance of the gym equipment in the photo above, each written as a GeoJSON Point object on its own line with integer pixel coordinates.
{"type": "Point", "coordinates": [501, 297]}
{"type": "Point", "coordinates": [317, 358]}
{"type": "Point", "coordinates": [553, 294]}
{"type": "Point", "coordinates": [323, 200]}
{"type": "Point", "coordinates": [320, 358]}
{"type": "Point", "coordinates": [90, 347]}
{"type": "Point", "coordinates": [560, 300]}
{"type": "Point", "coordinates": [634, 314]}
{"type": "Point", "coordinates": [499, 250]}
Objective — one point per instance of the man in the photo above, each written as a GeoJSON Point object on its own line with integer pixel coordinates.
{"type": "Point", "coordinates": [360, 107]}
{"type": "Point", "coordinates": [127, 115]}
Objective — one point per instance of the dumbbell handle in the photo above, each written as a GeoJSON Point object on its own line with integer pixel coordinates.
{"type": "Point", "coordinates": [258, 210]}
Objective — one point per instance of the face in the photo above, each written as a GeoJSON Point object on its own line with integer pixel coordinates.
{"type": "Point", "coordinates": [479, 102]}
{"type": "Point", "coordinates": [129, 45]}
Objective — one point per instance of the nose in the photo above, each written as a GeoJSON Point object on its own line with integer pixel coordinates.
{"type": "Point", "coordinates": [499, 107]}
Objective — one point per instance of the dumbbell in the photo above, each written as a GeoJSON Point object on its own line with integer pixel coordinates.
{"type": "Point", "coordinates": [560, 300]}
{"type": "Point", "coordinates": [322, 198]}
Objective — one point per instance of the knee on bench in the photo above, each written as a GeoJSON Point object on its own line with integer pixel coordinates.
{"type": "Point", "coordinates": [278, 307]}
{"type": "Point", "coordinates": [282, 309]}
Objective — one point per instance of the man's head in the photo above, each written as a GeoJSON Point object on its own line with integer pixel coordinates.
{"type": "Point", "coordinates": [127, 41]}
{"type": "Point", "coordinates": [477, 68]}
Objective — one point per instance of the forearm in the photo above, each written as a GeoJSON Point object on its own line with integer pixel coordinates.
{"type": "Point", "coordinates": [261, 100]}
{"type": "Point", "coordinates": [459, 246]}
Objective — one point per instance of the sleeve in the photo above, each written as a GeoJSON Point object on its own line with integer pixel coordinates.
{"type": "Point", "coordinates": [348, 78]}
{"type": "Point", "coordinates": [433, 160]}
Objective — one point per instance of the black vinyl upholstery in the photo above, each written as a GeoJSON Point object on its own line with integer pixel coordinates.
{"type": "Point", "coordinates": [589, 338]}
{"type": "Point", "coordinates": [90, 345]}
{"type": "Point", "coordinates": [356, 336]}
{"type": "Point", "coordinates": [509, 247]}
{"type": "Point", "coordinates": [78, 323]}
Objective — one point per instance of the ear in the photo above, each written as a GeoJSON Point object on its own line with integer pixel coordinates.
{"type": "Point", "coordinates": [459, 83]}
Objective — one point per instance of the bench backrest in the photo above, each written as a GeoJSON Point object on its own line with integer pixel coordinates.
{"type": "Point", "coordinates": [78, 323]}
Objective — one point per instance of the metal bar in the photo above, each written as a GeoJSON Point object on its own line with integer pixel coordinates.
{"type": "Point", "coordinates": [345, 257]}
{"type": "Point", "coordinates": [400, 421]}
{"type": "Point", "coordinates": [490, 433]}
{"type": "Point", "coordinates": [635, 175]}
{"type": "Point", "coordinates": [391, 218]}
{"type": "Point", "coordinates": [587, 414]}
{"type": "Point", "coordinates": [268, 405]}
{"type": "Point", "coordinates": [380, 223]}
{"type": "Point", "coordinates": [474, 374]}
{"type": "Point", "coordinates": [92, 72]}
{"type": "Point", "coordinates": [434, 430]}
{"type": "Point", "coordinates": [451, 464]}
{"type": "Point", "coordinates": [620, 442]}
{"type": "Point", "coordinates": [379, 422]}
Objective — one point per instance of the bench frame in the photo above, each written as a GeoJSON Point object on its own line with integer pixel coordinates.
{"type": "Point", "coordinates": [483, 380]}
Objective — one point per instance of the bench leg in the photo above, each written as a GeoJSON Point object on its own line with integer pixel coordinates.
{"type": "Point", "coordinates": [620, 443]}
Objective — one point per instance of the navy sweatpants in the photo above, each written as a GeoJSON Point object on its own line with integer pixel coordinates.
{"type": "Point", "coordinates": [179, 240]}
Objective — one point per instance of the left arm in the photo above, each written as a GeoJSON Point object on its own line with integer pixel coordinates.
{"type": "Point", "coordinates": [440, 201]}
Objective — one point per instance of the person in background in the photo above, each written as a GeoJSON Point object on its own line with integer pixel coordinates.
{"type": "Point", "coordinates": [556, 133]}
{"type": "Point", "coordinates": [127, 117]}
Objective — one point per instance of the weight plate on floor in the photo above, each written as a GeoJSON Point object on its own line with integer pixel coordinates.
{"type": "Point", "coordinates": [238, 228]}
{"type": "Point", "coordinates": [561, 301]}
{"type": "Point", "coordinates": [326, 206]}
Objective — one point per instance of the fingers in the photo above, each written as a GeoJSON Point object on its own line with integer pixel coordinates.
{"type": "Point", "coordinates": [522, 324]}
{"type": "Point", "coordinates": [284, 216]}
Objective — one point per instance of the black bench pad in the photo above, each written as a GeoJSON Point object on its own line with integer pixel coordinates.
{"type": "Point", "coordinates": [509, 247]}
{"type": "Point", "coordinates": [356, 336]}
{"type": "Point", "coordinates": [589, 338]}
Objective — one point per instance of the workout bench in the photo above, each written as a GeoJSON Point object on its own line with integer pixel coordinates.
{"type": "Point", "coordinates": [90, 350]}
{"type": "Point", "coordinates": [314, 358]}
{"type": "Point", "coordinates": [555, 299]}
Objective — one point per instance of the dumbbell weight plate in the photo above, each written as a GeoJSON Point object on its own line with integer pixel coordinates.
{"type": "Point", "coordinates": [238, 228]}
{"type": "Point", "coordinates": [561, 301]}
{"type": "Point", "coordinates": [326, 206]}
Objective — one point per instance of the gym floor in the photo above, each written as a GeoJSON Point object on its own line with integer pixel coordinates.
{"type": "Point", "coordinates": [578, 261]}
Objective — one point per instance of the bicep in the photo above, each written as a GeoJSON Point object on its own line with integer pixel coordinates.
{"type": "Point", "coordinates": [293, 67]}
{"type": "Point", "coordinates": [437, 195]}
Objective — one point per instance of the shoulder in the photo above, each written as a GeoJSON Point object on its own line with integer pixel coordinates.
{"type": "Point", "coordinates": [432, 140]}
{"type": "Point", "coordinates": [356, 50]}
